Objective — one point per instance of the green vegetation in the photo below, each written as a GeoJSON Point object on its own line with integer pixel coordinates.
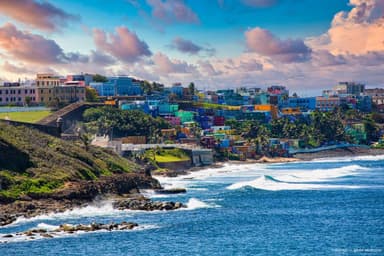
{"type": "Point", "coordinates": [99, 78]}
{"type": "Point", "coordinates": [32, 162]}
{"type": "Point", "coordinates": [27, 117]}
{"type": "Point", "coordinates": [121, 123]}
{"type": "Point", "coordinates": [167, 155]}
{"type": "Point", "coordinates": [91, 94]}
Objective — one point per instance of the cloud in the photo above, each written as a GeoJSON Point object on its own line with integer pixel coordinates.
{"type": "Point", "coordinates": [186, 46]}
{"type": "Point", "coordinates": [259, 3]}
{"type": "Point", "coordinates": [172, 11]}
{"type": "Point", "coordinates": [357, 32]}
{"type": "Point", "coordinates": [25, 46]}
{"type": "Point", "coordinates": [100, 58]}
{"type": "Point", "coordinates": [189, 47]}
{"type": "Point", "coordinates": [124, 45]}
{"type": "Point", "coordinates": [231, 4]}
{"type": "Point", "coordinates": [265, 43]}
{"type": "Point", "coordinates": [324, 58]}
{"type": "Point", "coordinates": [207, 68]}
{"type": "Point", "coordinates": [166, 66]}
{"type": "Point", "coordinates": [8, 67]}
{"type": "Point", "coordinates": [38, 14]}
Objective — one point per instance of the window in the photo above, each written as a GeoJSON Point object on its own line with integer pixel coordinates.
{"type": "Point", "coordinates": [6, 91]}
{"type": "Point", "coordinates": [19, 92]}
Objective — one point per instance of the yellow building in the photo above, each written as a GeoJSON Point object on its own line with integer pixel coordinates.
{"type": "Point", "coordinates": [45, 80]}
{"type": "Point", "coordinates": [268, 108]}
{"type": "Point", "coordinates": [291, 111]}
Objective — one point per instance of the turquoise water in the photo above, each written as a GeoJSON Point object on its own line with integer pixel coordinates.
{"type": "Point", "coordinates": [324, 207]}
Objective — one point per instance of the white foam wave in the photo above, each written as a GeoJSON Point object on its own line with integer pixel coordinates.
{"type": "Point", "coordinates": [349, 159]}
{"type": "Point", "coordinates": [104, 208]}
{"type": "Point", "coordinates": [195, 203]}
{"type": "Point", "coordinates": [319, 175]}
{"type": "Point", "coordinates": [46, 226]}
{"type": "Point", "coordinates": [267, 183]}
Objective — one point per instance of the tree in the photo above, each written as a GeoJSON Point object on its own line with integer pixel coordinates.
{"type": "Point", "coordinates": [85, 135]}
{"type": "Point", "coordinates": [27, 100]}
{"type": "Point", "coordinates": [99, 78]}
{"type": "Point", "coordinates": [371, 129]}
{"type": "Point", "coordinates": [90, 94]}
{"type": "Point", "coordinates": [191, 88]}
{"type": "Point", "coordinates": [258, 134]}
{"type": "Point", "coordinates": [117, 122]}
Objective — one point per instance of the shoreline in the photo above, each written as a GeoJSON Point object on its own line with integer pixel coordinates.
{"type": "Point", "coordinates": [69, 199]}
{"type": "Point", "coordinates": [299, 157]}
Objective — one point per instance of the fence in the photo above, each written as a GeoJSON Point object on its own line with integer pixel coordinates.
{"type": "Point", "coordinates": [22, 109]}
{"type": "Point", "coordinates": [314, 150]}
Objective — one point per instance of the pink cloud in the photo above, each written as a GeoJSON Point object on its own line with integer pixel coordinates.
{"type": "Point", "coordinates": [25, 46]}
{"type": "Point", "coordinates": [165, 65]}
{"type": "Point", "coordinates": [186, 46]}
{"type": "Point", "coordinates": [8, 67]}
{"type": "Point", "coordinates": [259, 3]}
{"type": "Point", "coordinates": [357, 32]}
{"type": "Point", "coordinates": [265, 43]}
{"type": "Point", "coordinates": [38, 14]}
{"type": "Point", "coordinates": [172, 11]}
{"type": "Point", "coordinates": [124, 45]}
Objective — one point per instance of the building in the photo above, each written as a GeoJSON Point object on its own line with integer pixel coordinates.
{"type": "Point", "coordinates": [60, 94]}
{"type": "Point", "coordinates": [17, 95]}
{"type": "Point", "coordinates": [83, 79]}
{"type": "Point", "coordinates": [47, 80]}
{"type": "Point", "coordinates": [327, 103]}
{"type": "Point", "coordinates": [350, 88]}
{"type": "Point", "coordinates": [305, 104]}
{"type": "Point", "coordinates": [118, 86]}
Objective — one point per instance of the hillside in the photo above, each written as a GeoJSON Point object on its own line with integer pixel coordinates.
{"type": "Point", "coordinates": [36, 165]}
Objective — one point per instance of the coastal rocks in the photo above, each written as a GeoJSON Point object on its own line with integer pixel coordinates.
{"type": "Point", "coordinates": [146, 205]}
{"type": "Point", "coordinates": [171, 191]}
{"type": "Point", "coordinates": [70, 229]}
{"type": "Point", "coordinates": [116, 184]}
{"type": "Point", "coordinates": [6, 219]}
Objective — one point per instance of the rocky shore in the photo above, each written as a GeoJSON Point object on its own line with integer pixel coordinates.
{"type": "Point", "coordinates": [68, 229]}
{"type": "Point", "coordinates": [80, 194]}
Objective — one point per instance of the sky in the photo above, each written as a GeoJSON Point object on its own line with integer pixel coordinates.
{"type": "Point", "coordinates": [306, 45]}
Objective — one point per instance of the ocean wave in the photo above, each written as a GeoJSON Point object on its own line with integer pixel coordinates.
{"type": "Point", "coordinates": [103, 208]}
{"type": "Point", "coordinates": [319, 175]}
{"type": "Point", "coordinates": [194, 203]}
{"type": "Point", "coordinates": [266, 182]}
{"type": "Point", "coordinates": [348, 159]}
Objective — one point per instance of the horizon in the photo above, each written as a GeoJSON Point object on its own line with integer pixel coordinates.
{"type": "Point", "coordinates": [217, 45]}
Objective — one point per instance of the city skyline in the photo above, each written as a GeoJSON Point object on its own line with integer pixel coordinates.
{"type": "Point", "coordinates": [216, 44]}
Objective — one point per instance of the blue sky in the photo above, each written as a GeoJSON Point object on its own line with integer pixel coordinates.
{"type": "Point", "coordinates": [303, 44]}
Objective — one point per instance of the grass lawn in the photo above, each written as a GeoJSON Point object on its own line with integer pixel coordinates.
{"type": "Point", "coordinates": [28, 117]}
{"type": "Point", "coordinates": [170, 158]}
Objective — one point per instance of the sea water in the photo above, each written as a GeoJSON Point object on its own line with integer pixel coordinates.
{"type": "Point", "coordinates": [324, 207]}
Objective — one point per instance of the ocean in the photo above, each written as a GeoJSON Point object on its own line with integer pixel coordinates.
{"type": "Point", "coordinates": [329, 206]}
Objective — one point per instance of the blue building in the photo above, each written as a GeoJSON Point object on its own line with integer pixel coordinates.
{"type": "Point", "coordinates": [118, 86]}
{"type": "Point", "coordinates": [305, 104]}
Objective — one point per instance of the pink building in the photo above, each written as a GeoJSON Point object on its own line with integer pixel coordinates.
{"type": "Point", "coordinates": [173, 120]}
{"type": "Point", "coordinates": [17, 95]}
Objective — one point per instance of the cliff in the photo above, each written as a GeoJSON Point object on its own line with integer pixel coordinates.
{"type": "Point", "coordinates": [34, 165]}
